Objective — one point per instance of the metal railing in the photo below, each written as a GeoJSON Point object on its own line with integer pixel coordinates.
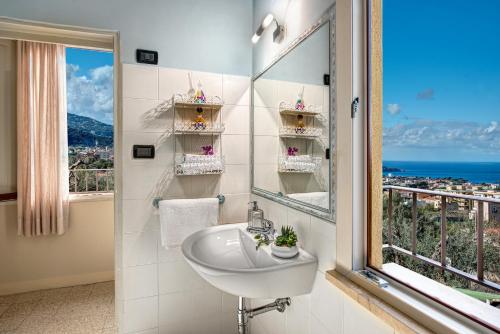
{"type": "Point", "coordinates": [441, 264]}
{"type": "Point", "coordinates": [91, 180]}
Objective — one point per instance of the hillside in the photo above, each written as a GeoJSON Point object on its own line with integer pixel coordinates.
{"type": "Point", "coordinates": [85, 131]}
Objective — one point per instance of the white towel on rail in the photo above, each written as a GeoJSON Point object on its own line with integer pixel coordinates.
{"type": "Point", "coordinates": [181, 217]}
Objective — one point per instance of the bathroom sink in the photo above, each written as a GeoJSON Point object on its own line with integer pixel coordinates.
{"type": "Point", "coordinates": [227, 258]}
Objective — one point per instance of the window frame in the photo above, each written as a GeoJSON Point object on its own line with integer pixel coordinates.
{"type": "Point", "coordinates": [373, 223]}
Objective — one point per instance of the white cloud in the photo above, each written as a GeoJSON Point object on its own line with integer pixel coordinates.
{"type": "Point", "coordinates": [393, 108]}
{"type": "Point", "coordinates": [451, 135]}
{"type": "Point", "coordinates": [90, 96]}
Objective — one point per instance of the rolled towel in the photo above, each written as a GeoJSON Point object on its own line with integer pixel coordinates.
{"type": "Point", "coordinates": [181, 217]}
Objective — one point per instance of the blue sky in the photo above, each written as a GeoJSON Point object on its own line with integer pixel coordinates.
{"type": "Point", "coordinates": [89, 79]}
{"type": "Point", "coordinates": [441, 80]}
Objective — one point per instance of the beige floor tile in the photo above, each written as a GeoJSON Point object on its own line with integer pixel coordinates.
{"type": "Point", "coordinates": [3, 308]}
{"type": "Point", "coordinates": [104, 288]}
{"type": "Point", "coordinates": [84, 309]}
{"type": "Point", "coordinates": [19, 310]}
{"type": "Point", "coordinates": [47, 308]}
{"type": "Point", "coordinates": [10, 324]}
{"type": "Point", "coordinates": [56, 294]}
{"type": "Point", "coordinates": [7, 299]}
{"type": "Point", "coordinates": [32, 296]}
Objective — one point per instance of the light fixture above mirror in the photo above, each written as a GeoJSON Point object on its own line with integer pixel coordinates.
{"type": "Point", "coordinates": [278, 34]}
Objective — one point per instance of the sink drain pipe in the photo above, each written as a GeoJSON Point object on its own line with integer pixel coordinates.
{"type": "Point", "coordinates": [244, 314]}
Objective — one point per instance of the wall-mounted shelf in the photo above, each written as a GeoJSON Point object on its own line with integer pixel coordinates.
{"type": "Point", "coordinates": [189, 155]}
{"type": "Point", "coordinates": [201, 165]}
{"type": "Point", "coordinates": [294, 132]}
{"type": "Point", "coordinates": [290, 109]}
{"type": "Point", "coordinates": [188, 128]}
{"type": "Point", "coordinates": [302, 164]}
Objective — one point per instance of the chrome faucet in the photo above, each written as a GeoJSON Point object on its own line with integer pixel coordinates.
{"type": "Point", "coordinates": [257, 223]}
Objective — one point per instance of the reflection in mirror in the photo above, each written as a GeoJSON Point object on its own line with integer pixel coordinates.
{"type": "Point", "coordinates": [291, 118]}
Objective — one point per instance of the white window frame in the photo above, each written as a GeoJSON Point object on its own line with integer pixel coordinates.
{"type": "Point", "coordinates": [352, 176]}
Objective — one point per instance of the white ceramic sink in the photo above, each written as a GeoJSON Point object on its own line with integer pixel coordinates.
{"type": "Point", "coordinates": [226, 257]}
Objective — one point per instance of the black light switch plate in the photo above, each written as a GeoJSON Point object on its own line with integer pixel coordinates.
{"type": "Point", "coordinates": [146, 57]}
{"type": "Point", "coordinates": [326, 79]}
{"type": "Point", "coordinates": [143, 151]}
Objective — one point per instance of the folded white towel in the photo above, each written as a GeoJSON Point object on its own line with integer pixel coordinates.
{"type": "Point", "coordinates": [181, 217]}
{"type": "Point", "coordinates": [303, 157]}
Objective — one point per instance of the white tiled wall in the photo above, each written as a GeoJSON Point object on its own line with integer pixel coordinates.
{"type": "Point", "coordinates": [326, 310]}
{"type": "Point", "coordinates": [160, 292]}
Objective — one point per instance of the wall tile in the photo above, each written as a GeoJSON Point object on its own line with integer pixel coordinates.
{"type": "Point", "coordinates": [236, 90]}
{"type": "Point", "coordinates": [164, 148]}
{"type": "Point", "coordinates": [137, 116]}
{"type": "Point", "coordinates": [235, 208]}
{"type": "Point", "coordinates": [140, 314]}
{"type": "Point", "coordinates": [236, 179]}
{"type": "Point", "coordinates": [236, 149]}
{"type": "Point", "coordinates": [140, 281]}
{"type": "Point", "coordinates": [139, 215]}
{"type": "Point", "coordinates": [322, 243]}
{"type": "Point", "coordinates": [266, 121]}
{"type": "Point", "coordinates": [358, 320]}
{"type": "Point", "coordinates": [140, 248]}
{"type": "Point", "coordinates": [316, 327]}
{"type": "Point", "coordinates": [169, 254]}
{"type": "Point", "coordinates": [176, 277]}
{"type": "Point", "coordinates": [140, 81]}
{"type": "Point", "coordinates": [326, 304]}
{"type": "Point", "coordinates": [298, 316]}
{"type": "Point", "coordinates": [173, 81]}
{"type": "Point", "coordinates": [236, 119]}
{"type": "Point", "coordinates": [268, 149]}
{"type": "Point", "coordinates": [301, 222]}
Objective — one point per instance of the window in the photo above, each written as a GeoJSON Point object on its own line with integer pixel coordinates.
{"type": "Point", "coordinates": [89, 85]}
{"type": "Point", "coordinates": [434, 154]}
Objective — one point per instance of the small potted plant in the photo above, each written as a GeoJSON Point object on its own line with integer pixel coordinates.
{"type": "Point", "coordinates": [285, 244]}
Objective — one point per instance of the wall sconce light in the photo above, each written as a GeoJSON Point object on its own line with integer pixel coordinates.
{"type": "Point", "coordinates": [278, 34]}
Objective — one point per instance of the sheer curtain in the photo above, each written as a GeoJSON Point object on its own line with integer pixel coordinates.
{"type": "Point", "coordinates": [42, 182]}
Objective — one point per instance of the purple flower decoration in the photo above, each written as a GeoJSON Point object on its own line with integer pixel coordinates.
{"type": "Point", "coordinates": [208, 150]}
{"type": "Point", "coordinates": [292, 151]}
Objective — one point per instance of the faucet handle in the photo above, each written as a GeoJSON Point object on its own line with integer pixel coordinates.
{"type": "Point", "coordinates": [253, 205]}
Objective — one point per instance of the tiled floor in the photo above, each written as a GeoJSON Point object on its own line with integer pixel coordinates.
{"type": "Point", "coordinates": [72, 310]}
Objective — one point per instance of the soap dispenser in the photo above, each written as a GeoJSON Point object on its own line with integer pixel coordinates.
{"type": "Point", "coordinates": [255, 216]}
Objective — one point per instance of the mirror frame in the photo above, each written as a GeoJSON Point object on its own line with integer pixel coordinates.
{"type": "Point", "coordinates": [328, 17]}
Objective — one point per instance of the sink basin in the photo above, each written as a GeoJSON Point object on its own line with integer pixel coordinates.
{"type": "Point", "coordinates": [226, 257]}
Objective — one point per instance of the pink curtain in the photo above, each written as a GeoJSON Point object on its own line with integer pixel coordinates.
{"type": "Point", "coordinates": [42, 157]}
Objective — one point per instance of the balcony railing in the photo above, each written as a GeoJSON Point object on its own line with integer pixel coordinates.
{"type": "Point", "coordinates": [442, 264]}
{"type": "Point", "coordinates": [91, 180]}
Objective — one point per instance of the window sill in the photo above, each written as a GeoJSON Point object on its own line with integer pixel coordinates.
{"type": "Point", "coordinates": [92, 197]}
{"type": "Point", "coordinates": [392, 316]}
{"type": "Point", "coordinates": [395, 303]}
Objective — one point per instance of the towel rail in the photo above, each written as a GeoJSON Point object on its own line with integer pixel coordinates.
{"type": "Point", "coordinates": [156, 200]}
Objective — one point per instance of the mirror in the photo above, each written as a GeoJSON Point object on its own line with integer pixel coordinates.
{"type": "Point", "coordinates": [291, 132]}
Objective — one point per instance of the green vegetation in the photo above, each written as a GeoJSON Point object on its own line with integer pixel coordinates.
{"type": "Point", "coordinates": [288, 238]}
{"type": "Point", "coordinates": [460, 244]}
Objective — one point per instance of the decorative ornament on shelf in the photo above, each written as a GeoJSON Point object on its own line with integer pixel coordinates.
{"type": "Point", "coordinates": [299, 105]}
{"type": "Point", "coordinates": [301, 128]}
{"type": "Point", "coordinates": [199, 123]}
{"type": "Point", "coordinates": [208, 150]}
{"type": "Point", "coordinates": [199, 96]}
{"type": "Point", "coordinates": [292, 151]}
{"type": "Point", "coordinates": [191, 91]}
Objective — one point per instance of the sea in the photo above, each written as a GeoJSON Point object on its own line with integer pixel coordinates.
{"type": "Point", "coordinates": [474, 172]}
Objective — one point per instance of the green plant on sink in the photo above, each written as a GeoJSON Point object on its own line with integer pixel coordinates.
{"type": "Point", "coordinates": [262, 239]}
{"type": "Point", "coordinates": [288, 237]}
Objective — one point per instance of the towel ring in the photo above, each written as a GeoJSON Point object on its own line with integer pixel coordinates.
{"type": "Point", "coordinates": [156, 200]}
